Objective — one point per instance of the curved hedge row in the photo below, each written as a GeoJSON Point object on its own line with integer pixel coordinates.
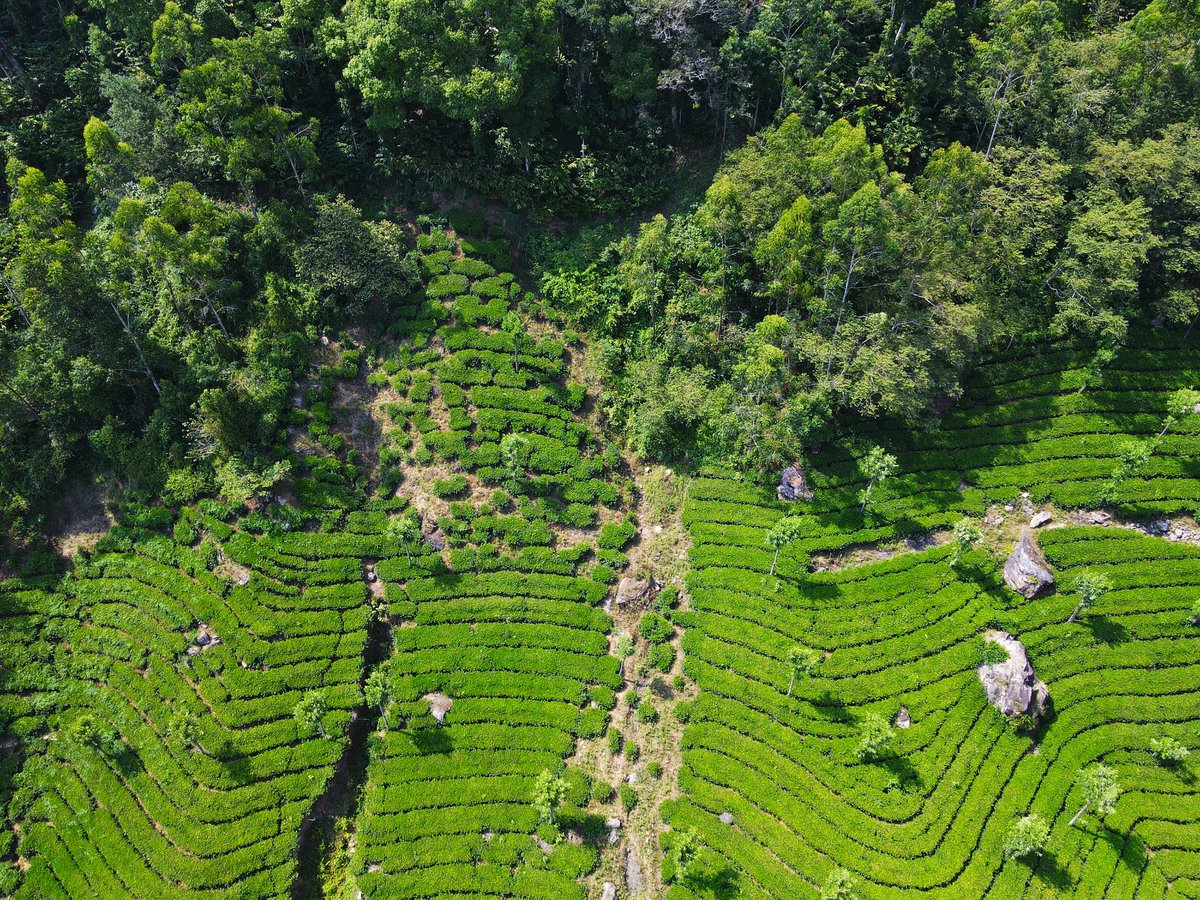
{"type": "Point", "coordinates": [929, 817]}
{"type": "Point", "coordinates": [120, 800]}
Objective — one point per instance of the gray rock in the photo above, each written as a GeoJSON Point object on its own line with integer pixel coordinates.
{"type": "Point", "coordinates": [1040, 519]}
{"type": "Point", "coordinates": [1012, 686]}
{"type": "Point", "coordinates": [726, 818]}
{"type": "Point", "coordinates": [633, 872]}
{"type": "Point", "coordinates": [792, 485]}
{"type": "Point", "coordinates": [1025, 569]}
{"type": "Point", "coordinates": [609, 892]}
{"type": "Point", "coordinates": [903, 719]}
{"type": "Point", "coordinates": [439, 705]}
{"type": "Point", "coordinates": [631, 589]}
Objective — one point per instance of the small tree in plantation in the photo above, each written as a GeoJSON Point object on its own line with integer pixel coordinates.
{"type": "Point", "coordinates": [878, 465]}
{"type": "Point", "coordinates": [839, 886]}
{"type": "Point", "coordinates": [1131, 459]}
{"type": "Point", "coordinates": [1180, 405]}
{"type": "Point", "coordinates": [376, 693]}
{"type": "Point", "coordinates": [310, 712]}
{"type": "Point", "coordinates": [1026, 837]}
{"type": "Point", "coordinates": [783, 533]}
{"type": "Point", "coordinates": [515, 329]}
{"type": "Point", "coordinates": [1100, 791]}
{"type": "Point", "coordinates": [548, 792]}
{"type": "Point", "coordinates": [1091, 587]}
{"type": "Point", "coordinates": [404, 530]}
{"type": "Point", "coordinates": [963, 536]}
{"type": "Point", "coordinates": [1169, 751]}
{"type": "Point", "coordinates": [184, 731]}
{"type": "Point", "coordinates": [515, 450]}
{"type": "Point", "coordinates": [874, 737]}
{"type": "Point", "coordinates": [683, 853]}
{"type": "Point", "coordinates": [801, 660]}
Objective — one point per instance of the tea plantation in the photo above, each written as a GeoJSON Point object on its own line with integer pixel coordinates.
{"type": "Point", "coordinates": [163, 759]}
{"type": "Point", "coordinates": [928, 809]}
{"type": "Point", "coordinates": [185, 704]}
{"type": "Point", "coordinates": [512, 635]}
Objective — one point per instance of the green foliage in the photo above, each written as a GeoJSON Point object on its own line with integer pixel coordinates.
{"type": "Point", "coordinates": [1026, 837]}
{"type": "Point", "coordinates": [549, 789]}
{"type": "Point", "coordinates": [310, 712]}
{"type": "Point", "coordinates": [1169, 751]}
{"type": "Point", "coordinates": [1091, 586]}
{"type": "Point", "coordinates": [654, 628]}
{"type": "Point", "coordinates": [874, 738]}
{"type": "Point", "coordinates": [964, 535]}
{"type": "Point", "coordinates": [628, 797]}
{"type": "Point", "coordinates": [992, 653]}
{"type": "Point", "coordinates": [840, 885]}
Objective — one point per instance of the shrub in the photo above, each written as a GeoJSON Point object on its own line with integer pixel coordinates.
{"type": "Point", "coordinates": [453, 486]}
{"type": "Point", "coordinates": [1169, 751]}
{"type": "Point", "coordinates": [615, 536]}
{"type": "Point", "coordinates": [654, 628]}
{"type": "Point", "coordinates": [661, 657]}
{"type": "Point", "coordinates": [628, 797]}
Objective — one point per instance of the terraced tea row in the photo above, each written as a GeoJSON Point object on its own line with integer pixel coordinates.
{"type": "Point", "coordinates": [1024, 424]}
{"type": "Point", "coordinates": [175, 765]}
{"type": "Point", "coordinates": [500, 665]}
{"type": "Point", "coordinates": [930, 815]}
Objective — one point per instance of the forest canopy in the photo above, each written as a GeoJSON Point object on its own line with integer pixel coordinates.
{"type": "Point", "coordinates": [195, 191]}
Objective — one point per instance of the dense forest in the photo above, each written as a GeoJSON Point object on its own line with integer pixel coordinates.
{"type": "Point", "coordinates": [194, 192]}
{"type": "Point", "coordinates": [903, 187]}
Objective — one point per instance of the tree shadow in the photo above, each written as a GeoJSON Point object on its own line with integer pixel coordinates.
{"type": "Point", "coordinates": [1048, 870]}
{"type": "Point", "coordinates": [236, 764]}
{"type": "Point", "coordinates": [902, 769]}
{"type": "Point", "coordinates": [661, 689]}
{"type": "Point", "coordinates": [1130, 847]}
{"type": "Point", "coordinates": [127, 760]}
{"type": "Point", "coordinates": [1106, 630]}
{"type": "Point", "coordinates": [720, 883]}
{"type": "Point", "coordinates": [832, 708]}
{"type": "Point", "coordinates": [431, 740]}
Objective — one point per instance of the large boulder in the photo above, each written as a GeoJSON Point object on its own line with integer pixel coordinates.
{"type": "Point", "coordinates": [630, 590]}
{"type": "Point", "coordinates": [1012, 686]}
{"type": "Point", "coordinates": [1025, 570]}
{"type": "Point", "coordinates": [792, 485]}
{"type": "Point", "coordinates": [439, 705]}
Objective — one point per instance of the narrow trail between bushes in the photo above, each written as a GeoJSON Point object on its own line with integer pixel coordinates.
{"type": "Point", "coordinates": [326, 843]}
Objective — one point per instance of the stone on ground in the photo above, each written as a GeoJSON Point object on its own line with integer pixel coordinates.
{"type": "Point", "coordinates": [1025, 569]}
{"type": "Point", "coordinates": [1012, 686]}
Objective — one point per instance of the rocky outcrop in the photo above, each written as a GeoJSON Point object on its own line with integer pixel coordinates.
{"type": "Point", "coordinates": [439, 705]}
{"type": "Point", "coordinates": [433, 536]}
{"type": "Point", "coordinates": [792, 485]}
{"type": "Point", "coordinates": [1012, 686]}
{"type": "Point", "coordinates": [1040, 519]}
{"type": "Point", "coordinates": [632, 589]}
{"type": "Point", "coordinates": [1025, 570]}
